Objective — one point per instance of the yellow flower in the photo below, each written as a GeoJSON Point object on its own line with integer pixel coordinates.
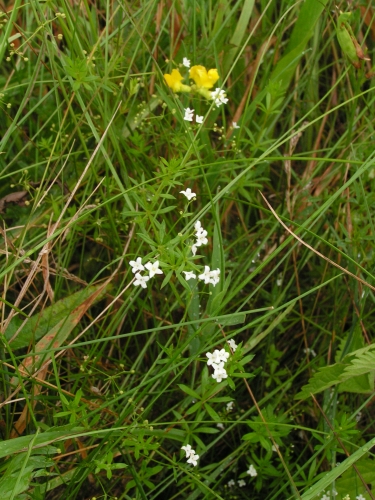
{"type": "Point", "coordinates": [174, 81]}
{"type": "Point", "coordinates": [204, 78]}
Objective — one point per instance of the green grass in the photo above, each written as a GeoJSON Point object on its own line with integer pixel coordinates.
{"type": "Point", "coordinates": [103, 382]}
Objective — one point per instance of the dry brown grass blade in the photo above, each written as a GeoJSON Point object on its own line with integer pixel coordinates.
{"type": "Point", "coordinates": [20, 426]}
{"type": "Point", "coordinates": [313, 249]}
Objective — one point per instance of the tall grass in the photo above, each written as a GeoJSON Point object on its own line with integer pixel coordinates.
{"type": "Point", "coordinates": [103, 381]}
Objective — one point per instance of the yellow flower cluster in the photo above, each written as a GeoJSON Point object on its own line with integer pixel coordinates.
{"type": "Point", "coordinates": [204, 80]}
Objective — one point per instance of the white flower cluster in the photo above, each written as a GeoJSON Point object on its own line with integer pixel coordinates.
{"type": "Point", "coordinates": [201, 236]}
{"type": "Point", "coordinates": [191, 456]}
{"type": "Point", "coordinates": [327, 496]}
{"type": "Point", "coordinates": [189, 116]}
{"type": "Point", "coordinates": [137, 266]}
{"type": "Point", "coordinates": [252, 471]}
{"type": "Point", "coordinates": [219, 97]}
{"type": "Point", "coordinates": [217, 360]}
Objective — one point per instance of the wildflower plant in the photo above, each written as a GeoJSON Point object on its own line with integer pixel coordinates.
{"type": "Point", "coordinates": [186, 261]}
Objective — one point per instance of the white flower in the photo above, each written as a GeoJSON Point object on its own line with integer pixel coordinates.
{"type": "Point", "coordinates": [360, 497]}
{"type": "Point", "coordinates": [198, 227]}
{"type": "Point", "coordinates": [186, 62]}
{"type": "Point", "coordinates": [188, 193]}
{"type": "Point", "coordinates": [188, 450]}
{"type": "Point", "coordinates": [215, 276]}
{"type": "Point", "coordinates": [153, 268]}
{"type": "Point", "coordinates": [234, 125]}
{"type": "Point", "coordinates": [189, 275]}
{"type": "Point", "coordinates": [201, 239]}
{"type": "Point", "coordinates": [325, 497]}
{"type": "Point", "coordinates": [310, 352]}
{"type": "Point", "coordinates": [189, 114]}
{"type": "Point", "coordinates": [194, 249]}
{"type": "Point", "coordinates": [241, 483]}
{"type": "Point", "coordinates": [224, 355]}
{"type": "Point", "coordinates": [199, 119]}
{"type": "Point", "coordinates": [275, 447]}
{"type": "Point", "coordinates": [230, 406]}
{"type": "Point", "coordinates": [206, 275]}
{"type": "Point", "coordinates": [141, 280]}
{"type": "Point", "coordinates": [218, 96]}
{"type": "Point", "coordinates": [252, 471]}
{"type": "Point", "coordinates": [193, 459]}
{"type": "Point", "coordinates": [136, 265]}
{"type": "Point", "coordinates": [214, 358]}
{"type": "Point", "coordinates": [220, 372]}
{"type": "Point", "coordinates": [220, 426]}
{"type": "Point", "coordinates": [232, 344]}
{"type": "Point", "coordinates": [231, 483]}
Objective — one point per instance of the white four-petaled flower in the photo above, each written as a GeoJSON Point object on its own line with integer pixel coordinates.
{"type": "Point", "coordinates": [209, 276]}
{"type": "Point", "coordinates": [234, 125]}
{"type": "Point", "coordinates": [199, 119]}
{"type": "Point", "coordinates": [186, 62]}
{"type": "Point", "coordinates": [190, 454]}
{"type": "Point", "coordinates": [153, 268]}
{"type": "Point", "coordinates": [232, 344]}
{"type": "Point", "coordinates": [189, 114]}
{"type": "Point", "coordinates": [193, 459]}
{"type": "Point", "coordinates": [189, 275]}
{"type": "Point", "coordinates": [188, 450]}
{"type": "Point", "coordinates": [136, 265]}
{"type": "Point", "coordinates": [218, 95]}
{"type": "Point", "coordinates": [141, 280]}
{"type": "Point", "coordinates": [252, 471]}
{"type": "Point", "coordinates": [241, 483]}
{"type": "Point", "coordinates": [188, 193]}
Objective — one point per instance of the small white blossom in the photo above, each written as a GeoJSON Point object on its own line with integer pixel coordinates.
{"type": "Point", "coordinates": [218, 96]}
{"type": "Point", "coordinates": [220, 426]}
{"type": "Point", "coordinates": [189, 194]}
{"type": "Point", "coordinates": [201, 239]}
{"type": "Point", "coordinates": [136, 265]}
{"type": "Point", "coordinates": [220, 372]}
{"type": "Point", "coordinates": [241, 483]}
{"type": "Point", "coordinates": [206, 275]}
{"type": "Point", "coordinates": [215, 276]}
{"type": "Point", "coordinates": [325, 497]}
{"type": "Point", "coordinates": [188, 450]}
{"type": "Point", "coordinates": [213, 358]}
{"type": "Point", "coordinates": [230, 406]}
{"type": "Point", "coordinates": [231, 483]}
{"type": "Point", "coordinates": [360, 497]}
{"type": "Point", "coordinates": [194, 249]}
{"type": "Point", "coordinates": [199, 119]}
{"type": "Point", "coordinates": [309, 351]}
{"type": "Point", "coordinates": [193, 459]}
{"type": "Point", "coordinates": [186, 62]}
{"type": "Point", "coordinates": [234, 125]}
{"type": "Point", "coordinates": [198, 226]}
{"type": "Point", "coordinates": [189, 114]}
{"type": "Point", "coordinates": [189, 275]}
{"type": "Point", "coordinates": [252, 471]}
{"type": "Point", "coordinates": [232, 344]}
{"type": "Point", "coordinates": [141, 280]}
{"type": "Point", "coordinates": [275, 447]}
{"type": "Point", "coordinates": [153, 268]}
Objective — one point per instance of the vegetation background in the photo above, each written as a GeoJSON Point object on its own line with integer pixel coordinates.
{"type": "Point", "coordinates": [102, 382]}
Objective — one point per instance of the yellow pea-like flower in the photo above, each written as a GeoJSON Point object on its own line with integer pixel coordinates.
{"type": "Point", "coordinates": [202, 77]}
{"type": "Point", "coordinates": [174, 81]}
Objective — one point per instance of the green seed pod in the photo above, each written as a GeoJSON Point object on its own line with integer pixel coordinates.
{"type": "Point", "coordinates": [348, 42]}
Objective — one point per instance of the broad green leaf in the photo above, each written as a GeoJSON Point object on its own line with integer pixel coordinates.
{"type": "Point", "coordinates": [40, 324]}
